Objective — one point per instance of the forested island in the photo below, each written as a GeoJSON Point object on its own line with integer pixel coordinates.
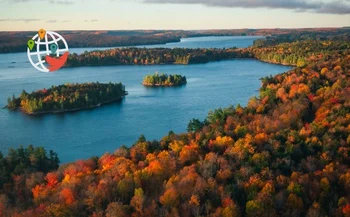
{"type": "Point", "coordinates": [286, 153]}
{"type": "Point", "coordinates": [161, 79]}
{"type": "Point", "coordinates": [154, 56]}
{"type": "Point", "coordinates": [67, 97]}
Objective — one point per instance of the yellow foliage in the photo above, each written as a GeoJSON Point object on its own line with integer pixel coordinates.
{"type": "Point", "coordinates": [176, 146]}
{"type": "Point", "coordinates": [150, 157]}
{"type": "Point", "coordinates": [223, 141]}
{"type": "Point", "coordinates": [260, 109]}
{"type": "Point", "coordinates": [324, 71]}
{"type": "Point", "coordinates": [66, 178]}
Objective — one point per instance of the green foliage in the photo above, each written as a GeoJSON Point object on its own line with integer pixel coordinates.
{"type": "Point", "coordinates": [143, 56]}
{"type": "Point", "coordinates": [296, 53]}
{"type": "Point", "coordinates": [164, 80]}
{"type": "Point", "coordinates": [13, 103]}
{"type": "Point", "coordinates": [194, 125]}
{"type": "Point", "coordinates": [67, 97]}
{"type": "Point", "coordinates": [220, 115]}
{"type": "Point", "coordinates": [26, 160]}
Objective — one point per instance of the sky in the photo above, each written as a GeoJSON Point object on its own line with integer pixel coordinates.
{"type": "Point", "coordinates": [31, 15]}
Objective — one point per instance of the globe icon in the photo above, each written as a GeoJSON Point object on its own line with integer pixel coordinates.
{"type": "Point", "coordinates": [43, 46]}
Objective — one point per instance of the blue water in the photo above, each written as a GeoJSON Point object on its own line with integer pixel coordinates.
{"type": "Point", "coordinates": [149, 111]}
{"type": "Point", "coordinates": [195, 42]}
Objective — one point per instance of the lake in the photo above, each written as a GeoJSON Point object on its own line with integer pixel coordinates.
{"type": "Point", "coordinates": [149, 111]}
{"type": "Point", "coordinates": [195, 42]}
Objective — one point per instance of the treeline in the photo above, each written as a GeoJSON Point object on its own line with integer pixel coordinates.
{"type": "Point", "coordinates": [342, 34]}
{"type": "Point", "coordinates": [17, 42]}
{"type": "Point", "coordinates": [67, 97]}
{"type": "Point", "coordinates": [164, 80]}
{"type": "Point", "coordinates": [287, 153]}
{"type": "Point", "coordinates": [143, 56]}
{"type": "Point", "coordinates": [111, 40]}
{"type": "Point", "coordinates": [298, 53]}
{"type": "Point", "coordinates": [20, 171]}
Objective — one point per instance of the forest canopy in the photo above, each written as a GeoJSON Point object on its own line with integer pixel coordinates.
{"type": "Point", "coordinates": [67, 97]}
{"type": "Point", "coordinates": [153, 56]}
{"type": "Point", "coordinates": [161, 79]}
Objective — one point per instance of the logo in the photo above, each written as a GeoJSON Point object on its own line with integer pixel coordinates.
{"type": "Point", "coordinates": [47, 51]}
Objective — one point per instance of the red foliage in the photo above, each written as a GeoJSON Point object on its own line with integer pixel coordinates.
{"type": "Point", "coordinates": [67, 196]}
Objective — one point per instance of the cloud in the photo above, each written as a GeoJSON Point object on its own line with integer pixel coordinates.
{"type": "Point", "coordinates": [329, 7]}
{"type": "Point", "coordinates": [52, 21]}
{"type": "Point", "coordinates": [315, 6]}
{"type": "Point", "coordinates": [19, 20]}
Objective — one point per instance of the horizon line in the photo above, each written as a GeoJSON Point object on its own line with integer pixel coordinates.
{"type": "Point", "coordinates": [210, 29]}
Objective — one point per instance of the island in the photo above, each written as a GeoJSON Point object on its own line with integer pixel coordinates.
{"type": "Point", "coordinates": [67, 97]}
{"type": "Point", "coordinates": [164, 80]}
{"type": "Point", "coordinates": [154, 56]}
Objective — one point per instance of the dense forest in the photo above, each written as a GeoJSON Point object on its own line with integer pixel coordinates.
{"type": "Point", "coordinates": [287, 153]}
{"type": "Point", "coordinates": [28, 160]}
{"type": "Point", "coordinates": [298, 53]}
{"type": "Point", "coordinates": [144, 56]}
{"type": "Point", "coordinates": [67, 97]}
{"type": "Point", "coordinates": [17, 41]}
{"type": "Point", "coordinates": [164, 80]}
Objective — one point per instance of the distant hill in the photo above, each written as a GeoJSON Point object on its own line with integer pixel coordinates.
{"type": "Point", "coordinates": [17, 41]}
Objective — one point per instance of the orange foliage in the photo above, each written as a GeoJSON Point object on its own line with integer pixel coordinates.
{"type": "Point", "coordinates": [67, 196]}
{"type": "Point", "coordinates": [195, 200]}
{"type": "Point", "coordinates": [189, 153]}
{"type": "Point", "coordinates": [260, 138]}
{"type": "Point", "coordinates": [169, 198]}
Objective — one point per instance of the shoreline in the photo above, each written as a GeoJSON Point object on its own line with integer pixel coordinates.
{"type": "Point", "coordinates": [71, 110]}
{"type": "Point", "coordinates": [160, 64]}
{"type": "Point", "coordinates": [162, 85]}
{"type": "Point", "coordinates": [177, 40]}
{"type": "Point", "coordinates": [110, 47]}
{"type": "Point", "coordinates": [168, 64]}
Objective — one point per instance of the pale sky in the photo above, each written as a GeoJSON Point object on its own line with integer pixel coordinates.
{"type": "Point", "coordinates": [171, 14]}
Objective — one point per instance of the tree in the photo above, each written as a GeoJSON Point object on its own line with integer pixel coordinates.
{"type": "Point", "coordinates": [117, 209]}
{"type": "Point", "coordinates": [170, 198]}
{"type": "Point", "coordinates": [137, 202]}
{"type": "Point", "coordinates": [194, 125]}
